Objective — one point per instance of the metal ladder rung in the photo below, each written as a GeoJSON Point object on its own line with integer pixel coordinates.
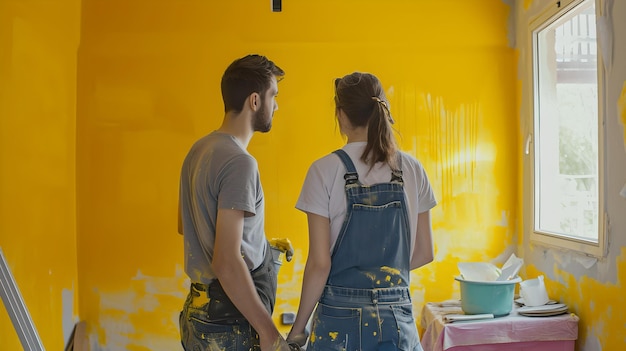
{"type": "Point", "coordinates": [15, 306]}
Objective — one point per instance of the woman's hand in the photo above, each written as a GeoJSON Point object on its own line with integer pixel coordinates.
{"type": "Point", "coordinates": [279, 344]}
{"type": "Point", "coordinates": [297, 338]}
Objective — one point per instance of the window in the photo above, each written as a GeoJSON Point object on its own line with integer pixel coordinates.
{"type": "Point", "coordinates": [566, 153]}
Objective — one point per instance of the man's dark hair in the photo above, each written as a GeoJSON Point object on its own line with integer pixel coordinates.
{"type": "Point", "coordinates": [247, 75]}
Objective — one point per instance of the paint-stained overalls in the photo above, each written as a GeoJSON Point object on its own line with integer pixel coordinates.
{"type": "Point", "coordinates": [366, 304]}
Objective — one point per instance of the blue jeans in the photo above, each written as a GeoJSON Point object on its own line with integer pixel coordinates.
{"type": "Point", "coordinates": [369, 320]}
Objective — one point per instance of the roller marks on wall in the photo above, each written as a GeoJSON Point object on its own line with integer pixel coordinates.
{"type": "Point", "coordinates": [622, 111]}
{"type": "Point", "coordinates": [453, 142]}
{"type": "Point", "coordinates": [459, 155]}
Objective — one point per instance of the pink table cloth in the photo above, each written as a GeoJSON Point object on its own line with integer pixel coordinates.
{"type": "Point", "coordinates": [552, 333]}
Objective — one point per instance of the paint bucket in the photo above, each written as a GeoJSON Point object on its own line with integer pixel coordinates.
{"type": "Point", "coordinates": [492, 297]}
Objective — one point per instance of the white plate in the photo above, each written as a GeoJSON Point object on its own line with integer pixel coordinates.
{"type": "Point", "coordinates": [521, 301]}
{"type": "Point", "coordinates": [543, 311]}
{"type": "Point", "coordinates": [543, 314]}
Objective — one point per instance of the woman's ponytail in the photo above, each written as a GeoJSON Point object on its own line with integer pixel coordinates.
{"type": "Point", "coordinates": [362, 98]}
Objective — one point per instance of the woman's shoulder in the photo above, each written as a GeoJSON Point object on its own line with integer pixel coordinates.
{"type": "Point", "coordinates": [412, 166]}
{"type": "Point", "coordinates": [324, 168]}
{"type": "Point", "coordinates": [326, 161]}
{"type": "Point", "coordinates": [409, 159]}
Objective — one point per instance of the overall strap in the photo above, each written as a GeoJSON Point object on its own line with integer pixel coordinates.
{"type": "Point", "coordinates": [351, 176]}
{"type": "Point", "coordinates": [396, 174]}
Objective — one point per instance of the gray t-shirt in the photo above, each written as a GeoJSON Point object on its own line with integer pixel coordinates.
{"type": "Point", "coordinates": [218, 172]}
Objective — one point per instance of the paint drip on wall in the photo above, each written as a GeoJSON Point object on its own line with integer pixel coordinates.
{"type": "Point", "coordinates": [621, 105]}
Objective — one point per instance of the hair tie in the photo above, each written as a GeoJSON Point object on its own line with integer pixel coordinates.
{"type": "Point", "coordinates": [385, 107]}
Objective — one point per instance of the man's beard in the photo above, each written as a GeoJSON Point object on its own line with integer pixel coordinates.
{"type": "Point", "coordinates": [262, 120]}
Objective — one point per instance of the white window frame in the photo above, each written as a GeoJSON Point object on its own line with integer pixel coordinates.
{"type": "Point", "coordinates": [596, 249]}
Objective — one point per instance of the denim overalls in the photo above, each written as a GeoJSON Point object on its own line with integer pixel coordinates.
{"type": "Point", "coordinates": [366, 304]}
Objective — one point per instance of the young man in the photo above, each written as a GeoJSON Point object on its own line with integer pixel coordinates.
{"type": "Point", "coordinates": [221, 208]}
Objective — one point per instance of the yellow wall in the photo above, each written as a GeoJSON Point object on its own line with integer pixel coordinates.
{"type": "Point", "coordinates": [148, 87]}
{"type": "Point", "coordinates": [91, 146]}
{"type": "Point", "coordinates": [38, 45]}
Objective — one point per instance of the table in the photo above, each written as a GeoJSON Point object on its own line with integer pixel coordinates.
{"type": "Point", "coordinates": [513, 332]}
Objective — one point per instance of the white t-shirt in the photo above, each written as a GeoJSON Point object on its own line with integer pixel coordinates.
{"type": "Point", "coordinates": [323, 189]}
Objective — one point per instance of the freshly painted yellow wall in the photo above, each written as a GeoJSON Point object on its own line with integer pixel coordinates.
{"type": "Point", "coordinates": [91, 146]}
{"type": "Point", "coordinates": [38, 46]}
{"type": "Point", "coordinates": [148, 86]}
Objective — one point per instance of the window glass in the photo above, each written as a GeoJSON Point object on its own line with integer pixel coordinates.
{"type": "Point", "coordinates": [566, 126]}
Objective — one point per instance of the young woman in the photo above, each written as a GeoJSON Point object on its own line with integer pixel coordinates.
{"type": "Point", "coordinates": [367, 206]}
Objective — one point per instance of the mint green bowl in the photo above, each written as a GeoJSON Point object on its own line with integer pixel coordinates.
{"type": "Point", "coordinates": [487, 297]}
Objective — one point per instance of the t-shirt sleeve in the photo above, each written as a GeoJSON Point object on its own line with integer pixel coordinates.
{"type": "Point", "coordinates": [238, 184]}
{"type": "Point", "coordinates": [314, 196]}
{"type": "Point", "coordinates": [426, 197]}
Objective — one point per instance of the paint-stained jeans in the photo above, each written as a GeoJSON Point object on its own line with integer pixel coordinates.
{"type": "Point", "coordinates": [369, 320]}
{"type": "Point", "coordinates": [227, 329]}
{"type": "Point", "coordinates": [198, 333]}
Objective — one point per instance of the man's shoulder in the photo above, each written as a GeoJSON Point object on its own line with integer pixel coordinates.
{"type": "Point", "coordinates": [221, 144]}
{"type": "Point", "coordinates": [216, 139]}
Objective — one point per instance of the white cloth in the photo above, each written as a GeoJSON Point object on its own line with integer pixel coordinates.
{"type": "Point", "coordinates": [536, 333]}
